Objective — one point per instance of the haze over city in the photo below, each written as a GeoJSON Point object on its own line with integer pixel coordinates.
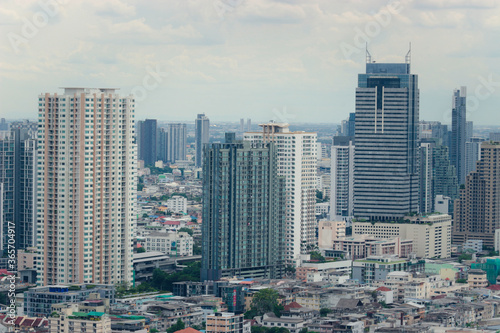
{"type": "Point", "coordinates": [259, 59]}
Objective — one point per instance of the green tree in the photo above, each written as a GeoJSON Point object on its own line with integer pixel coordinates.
{"type": "Point", "coordinates": [145, 216]}
{"type": "Point", "coordinates": [153, 330]}
{"type": "Point", "coordinates": [324, 311]}
{"type": "Point", "coordinates": [264, 301]}
{"type": "Point", "coordinates": [179, 325]}
{"type": "Point", "coordinates": [461, 281]}
{"type": "Point", "coordinates": [464, 256]}
{"type": "Point", "coordinates": [315, 255]}
{"type": "Point", "coordinates": [141, 250]}
{"type": "Point", "coordinates": [188, 230]}
{"type": "Point", "coordinates": [163, 281]}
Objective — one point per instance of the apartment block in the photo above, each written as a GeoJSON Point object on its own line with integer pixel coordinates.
{"type": "Point", "coordinates": [363, 246]}
{"type": "Point", "coordinates": [174, 244]}
{"type": "Point", "coordinates": [86, 186]}
{"type": "Point", "coordinates": [70, 319]}
{"type": "Point", "coordinates": [177, 204]}
{"type": "Point", "coordinates": [297, 162]}
{"type": "Point", "coordinates": [328, 231]}
{"type": "Point", "coordinates": [226, 322]}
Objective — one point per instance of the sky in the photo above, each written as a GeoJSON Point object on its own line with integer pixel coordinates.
{"type": "Point", "coordinates": [287, 60]}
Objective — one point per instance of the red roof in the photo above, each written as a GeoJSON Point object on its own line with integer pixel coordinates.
{"type": "Point", "coordinates": [188, 330]}
{"type": "Point", "coordinates": [383, 289]}
{"type": "Point", "coordinates": [28, 322]}
{"type": "Point", "coordinates": [172, 222]}
{"type": "Point", "coordinates": [37, 322]}
{"type": "Point", "coordinates": [293, 305]}
{"type": "Point", "coordinates": [18, 320]}
{"type": "Point", "coordinates": [5, 272]}
{"type": "Point", "coordinates": [495, 287]}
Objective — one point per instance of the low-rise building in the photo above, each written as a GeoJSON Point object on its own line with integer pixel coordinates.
{"type": "Point", "coordinates": [70, 319]}
{"type": "Point", "coordinates": [362, 246]}
{"type": "Point", "coordinates": [177, 204]}
{"type": "Point", "coordinates": [328, 231]}
{"type": "Point", "coordinates": [431, 234]}
{"type": "Point", "coordinates": [226, 322]}
{"type": "Point", "coordinates": [175, 244]}
{"type": "Point", "coordinates": [477, 279]}
{"type": "Point", "coordinates": [294, 325]}
{"type": "Point", "coordinates": [376, 268]}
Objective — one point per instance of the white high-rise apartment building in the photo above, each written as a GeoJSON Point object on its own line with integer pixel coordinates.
{"type": "Point", "coordinates": [297, 161]}
{"type": "Point", "coordinates": [86, 180]}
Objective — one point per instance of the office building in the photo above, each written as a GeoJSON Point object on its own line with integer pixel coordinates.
{"type": "Point", "coordinates": [376, 268]}
{"type": "Point", "coordinates": [434, 130]}
{"type": "Point", "coordinates": [477, 211]}
{"type": "Point", "coordinates": [495, 137]}
{"type": "Point", "coordinates": [431, 234]}
{"type": "Point", "coordinates": [458, 132]}
{"type": "Point", "coordinates": [243, 229]}
{"type": "Point", "coordinates": [297, 163]}
{"type": "Point", "coordinates": [17, 188]}
{"type": "Point", "coordinates": [146, 137]}
{"type": "Point", "coordinates": [202, 136]}
{"type": "Point", "coordinates": [342, 177]}
{"type": "Point", "coordinates": [386, 177]}
{"type": "Point", "coordinates": [86, 186]}
{"type": "Point", "coordinates": [176, 142]}
{"type": "Point", "coordinates": [363, 246]}
{"type": "Point", "coordinates": [249, 125]}
{"type": "Point", "coordinates": [4, 126]}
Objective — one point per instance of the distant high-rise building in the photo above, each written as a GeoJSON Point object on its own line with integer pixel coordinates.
{"type": "Point", "coordinates": [297, 161]}
{"type": "Point", "coordinates": [458, 132]}
{"type": "Point", "coordinates": [86, 187]}
{"type": "Point", "coordinates": [17, 188]}
{"type": "Point", "coordinates": [386, 177]}
{"type": "Point", "coordinates": [4, 126]}
{"type": "Point", "coordinates": [242, 125]}
{"type": "Point", "coordinates": [472, 153]}
{"type": "Point", "coordinates": [477, 211]}
{"type": "Point", "coordinates": [342, 177]}
{"type": "Point", "coordinates": [426, 201]}
{"type": "Point", "coordinates": [444, 176]}
{"type": "Point", "coordinates": [202, 136]}
{"type": "Point", "coordinates": [495, 137]}
{"type": "Point", "coordinates": [147, 141]}
{"type": "Point", "coordinates": [469, 130]}
{"type": "Point", "coordinates": [348, 126]}
{"type": "Point", "coordinates": [162, 144]}
{"type": "Point", "coordinates": [249, 125]}
{"type": "Point", "coordinates": [434, 130]}
{"type": "Point", "coordinates": [176, 142]}
{"type": "Point", "coordinates": [243, 226]}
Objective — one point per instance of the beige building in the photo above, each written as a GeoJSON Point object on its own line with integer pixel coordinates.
{"type": "Point", "coordinates": [363, 246]}
{"type": "Point", "coordinates": [226, 322]}
{"type": "Point", "coordinates": [477, 278]}
{"type": "Point", "coordinates": [328, 231]}
{"type": "Point", "coordinates": [476, 212]}
{"type": "Point", "coordinates": [86, 187]}
{"type": "Point", "coordinates": [26, 259]}
{"type": "Point", "coordinates": [70, 319]}
{"type": "Point", "coordinates": [407, 285]}
{"type": "Point", "coordinates": [431, 234]}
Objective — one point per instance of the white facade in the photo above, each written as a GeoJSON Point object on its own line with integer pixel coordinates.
{"type": "Point", "coordinates": [497, 239]}
{"type": "Point", "coordinates": [297, 161]}
{"type": "Point", "coordinates": [441, 204]}
{"type": "Point", "coordinates": [171, 243]}
{"type": "Point", "coordinates": [475, 245]}
{"type": "Point", "coordinates": [86, 187]}
{"type": "Point", "coordinates": [328, 231]}
{"type": "Point", "coordinates": [177, 204]}
{"type": "Point", "coordinates": [342, 181]}
{"type": "Point", "coordinates": [321, 208]}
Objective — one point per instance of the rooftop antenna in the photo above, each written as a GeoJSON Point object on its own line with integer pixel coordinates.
{"type": "Point", "coordinates": [368, 55]}
{"type": "Point", "coordinates": [408, 56]}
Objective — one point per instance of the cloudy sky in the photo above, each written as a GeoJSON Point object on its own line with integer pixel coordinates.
{"type": "Point", "coordinates": [290, 60]}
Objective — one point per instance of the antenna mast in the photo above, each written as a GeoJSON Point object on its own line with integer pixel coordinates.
{"type": "Point", "coordinates": [408, 56]}
{"type": "Point", "coordinates": [368, 55]}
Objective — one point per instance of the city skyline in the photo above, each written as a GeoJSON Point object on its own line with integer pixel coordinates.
{"type": "Point", "coordinates": [235, 59]}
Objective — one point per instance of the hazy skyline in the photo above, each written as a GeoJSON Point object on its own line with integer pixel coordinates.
{"type": "Point", "coordinates": [291, 60]}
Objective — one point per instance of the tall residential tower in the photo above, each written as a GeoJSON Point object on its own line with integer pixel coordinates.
{"type": "Point", "coordinates": [243, 211]}
{"type": "Point", "coordinates": [297, 162]}
{"type": "Point", "coordinates": [86, 186]}
{"type": "Point", "coordinates": [459, 132]}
